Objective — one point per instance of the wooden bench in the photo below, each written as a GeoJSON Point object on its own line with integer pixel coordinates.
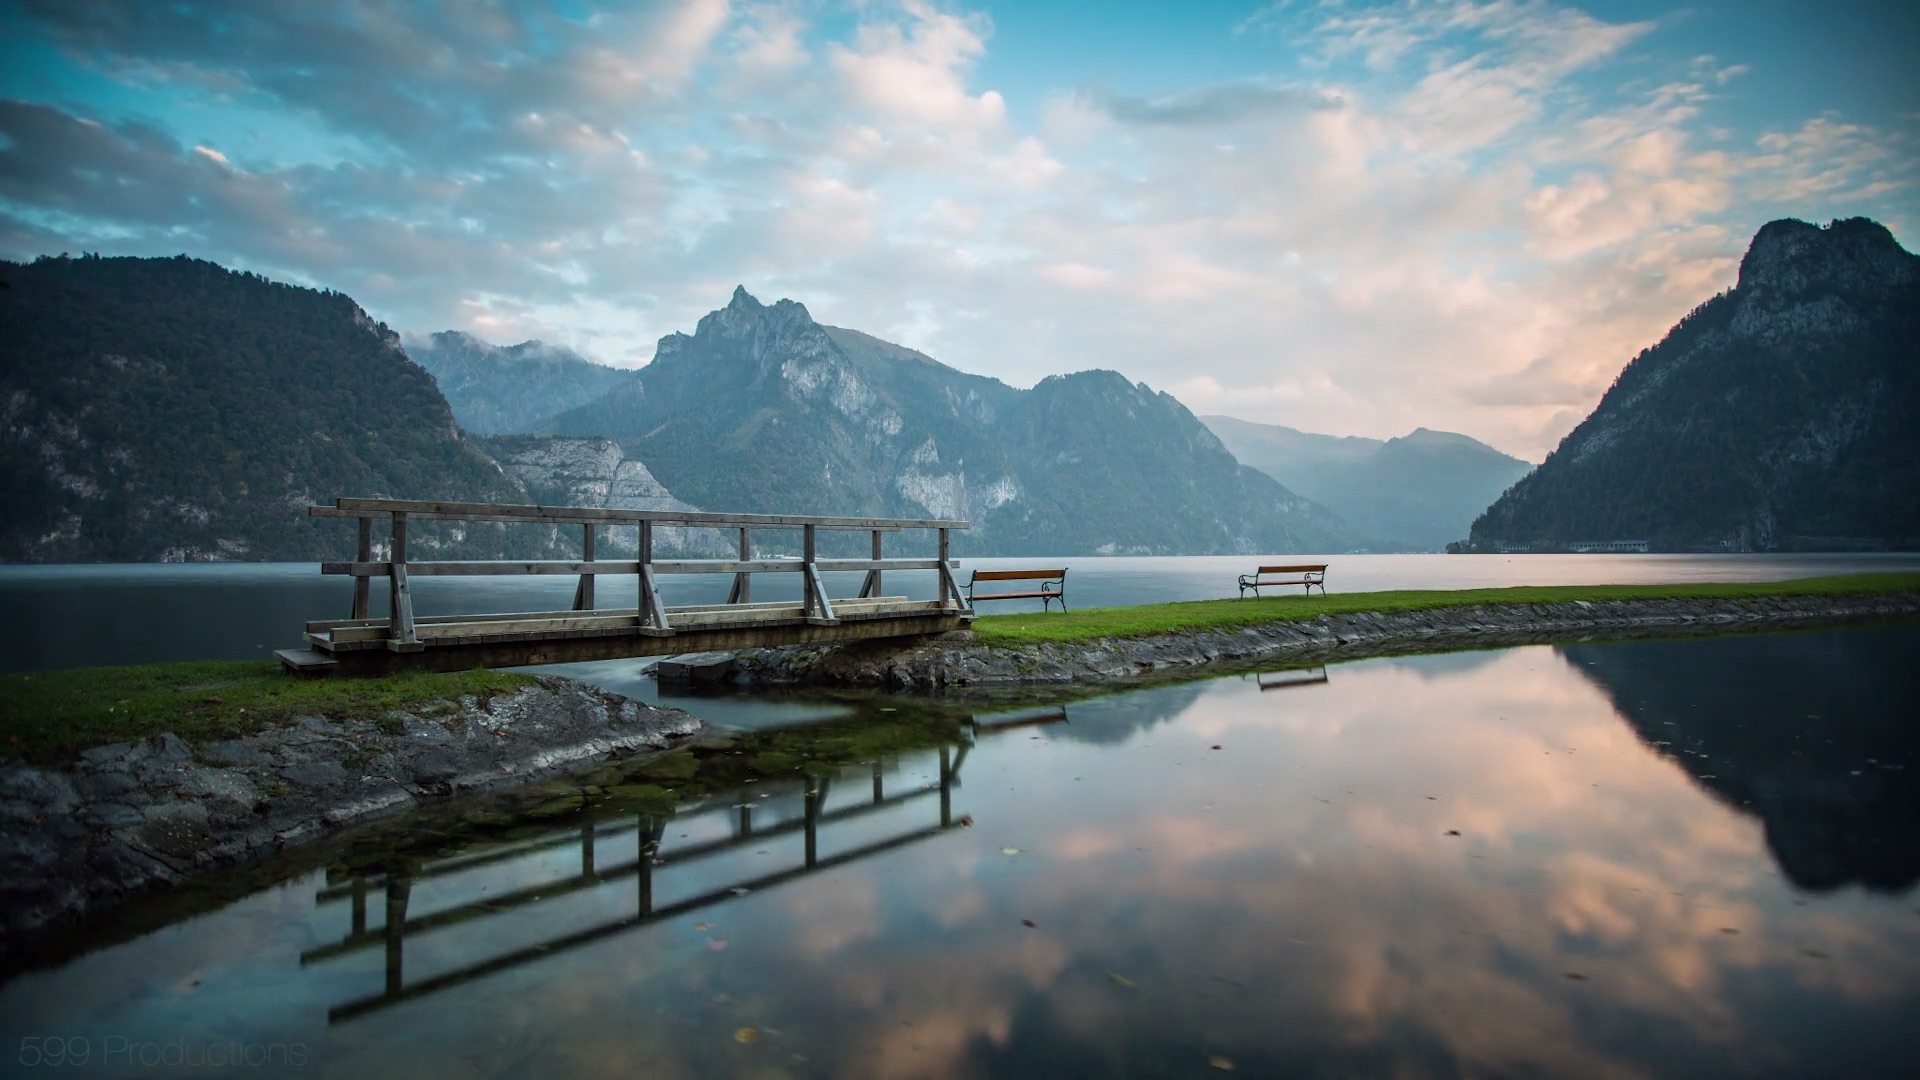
{"type": "Point", "coordinates": [1307, 575]}
{"type": "Point", "coordinates": [1052, 588]}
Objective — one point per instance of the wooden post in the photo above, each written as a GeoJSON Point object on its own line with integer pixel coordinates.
{"type": "Point", "coordinates": [943, 568]}
{"type": "Point", "coordinates": [878, 792]}
{"type": "Point", "coordinates": [363, 553]}
{"type": "Point", "coordinates": [398, 890]}
{"type": "Point", "coordinates": [872, 586]}
{"type": "Point", "coordinates": [746, 820]}
{"type": "Point", "coordinates": [583, 593]}
{"type": "Point", "coordinates": [743, 583]}
{"type": "Point", "coordinates": [946, 785]}
{"type": "Point", "coordinates": [653, 614]}
{"type": "Point", "coordinates": [813, 826]}
{"type": "Point", "coordinates": [649, 847]}
{"type": "Point", "coordinates": [400, 625]}
{"type": "Point", "coordinates": [586, 849]}
{"type": "Point", "coordinates": [811, 604]}
{"type": "Point", "coordinates": [818, 609]}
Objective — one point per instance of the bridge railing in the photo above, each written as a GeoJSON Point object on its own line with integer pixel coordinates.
{"type": "Point", "coordinates": [653, 616]}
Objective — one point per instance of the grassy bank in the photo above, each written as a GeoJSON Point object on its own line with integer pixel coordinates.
{"type": "Point", "coordinates": [47, 716]}
{"type": "Point", "coordinates": [1033, 628]}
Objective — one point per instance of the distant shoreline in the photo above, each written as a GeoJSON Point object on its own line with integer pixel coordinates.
{"type": "Point", "coordinates": [1123, 645]}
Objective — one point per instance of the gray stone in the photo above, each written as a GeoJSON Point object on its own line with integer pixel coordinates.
{"type": "Point", "coordinates": [315, 774]}
{"type": "Point", "coordinates": [105, 785]}
{"type": "Point", "coordinates": [234, 752]}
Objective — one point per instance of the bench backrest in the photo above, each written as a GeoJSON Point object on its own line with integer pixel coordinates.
{"type": "Point", "coordinates": [1016, 575]}
{"type": "Point", "coordinates": [1318, 569]}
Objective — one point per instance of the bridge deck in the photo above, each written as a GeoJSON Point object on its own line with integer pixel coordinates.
{"type": "Point", "coordinates": [361, 644]}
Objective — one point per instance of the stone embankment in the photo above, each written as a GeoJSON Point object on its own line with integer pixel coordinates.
{"type": "Point", "coordinates": [958, 661]}
{"type": "Point", "coordinates": [130, 817]}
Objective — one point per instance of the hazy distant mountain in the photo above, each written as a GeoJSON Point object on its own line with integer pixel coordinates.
{"type": "Point", "coordinates": [171, 409]}
{"type": "Point", "coordinates": [594, 472]}
{"type": "Point", "coordinates": [1779, 415]}
{"type": "Point", "coordinates": [763, 409]}
{"type": "Point", "coordinates": [500, 389]}
{"type": "Point", "coordinates": [1419, 491]}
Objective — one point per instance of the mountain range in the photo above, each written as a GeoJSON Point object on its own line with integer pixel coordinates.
{"type": "Point", "coordinates": [1418, 492]}
{"type": "Point", "coordinates": [1778, 415]}
{"type": "Point", "coordinates": [763, 409]}
{"type": "Point", "coordinates": [170, 409]}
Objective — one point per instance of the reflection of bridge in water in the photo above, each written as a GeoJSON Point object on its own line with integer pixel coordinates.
{"type": "Point", "coordinates": [400, 888]}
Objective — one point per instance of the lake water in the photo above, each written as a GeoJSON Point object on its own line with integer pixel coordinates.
{"type": "Point", "coordinates": [1662, 858]}
{"type": "Point", "coordinates": [77, 616]}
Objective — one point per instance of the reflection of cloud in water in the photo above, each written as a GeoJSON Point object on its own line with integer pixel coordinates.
{"type": "Point", "coordinates": [1116, 719]}
{"type": "Point", "coordinates": [1291, 900]}
{"type": "Point", "coordinates": [1812, 733]}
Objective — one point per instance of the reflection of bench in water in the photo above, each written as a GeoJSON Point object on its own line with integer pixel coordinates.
{"type": "Point", "coordinates": [1286, 680]}
{"type": "Point", "coordinates": [398, 884]}
{"type": "Point", "coordinates": [987, 725]}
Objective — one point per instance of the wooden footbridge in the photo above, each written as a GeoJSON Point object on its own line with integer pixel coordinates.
{"type": "Point", "coordinates": [364, 644]}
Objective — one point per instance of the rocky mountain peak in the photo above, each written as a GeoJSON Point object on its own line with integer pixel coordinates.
{"type": "Point", "coordinates": [1790, 256]}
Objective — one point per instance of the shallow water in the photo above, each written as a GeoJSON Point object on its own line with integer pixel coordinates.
{"type": "Point", "coordinates": [1667, 858]}
{"type": "Point", "coordinates": [82, 616]}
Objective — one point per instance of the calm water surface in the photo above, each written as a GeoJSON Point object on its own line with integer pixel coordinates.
{"type": "Point", "coordinates": [77, 616]}
{"type": "Point", "coordinates": [1682, 858]}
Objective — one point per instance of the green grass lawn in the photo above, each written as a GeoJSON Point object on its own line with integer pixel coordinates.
{"type": "Point", "coordinates": [1035, 628]}
{"type": "Point", "coordinates": [48, 716]}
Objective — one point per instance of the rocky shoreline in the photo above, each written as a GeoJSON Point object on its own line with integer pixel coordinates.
{"type": "Point", "coordinates": [129, 818]}
{"type": "Point", "coordinates": [958, 662]}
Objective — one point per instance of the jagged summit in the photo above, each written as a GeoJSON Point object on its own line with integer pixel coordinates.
{"type": "Point", "coordinates": [1774, 416]}
{"type": "Point", "coordinates": [1791, 255]}
{"type": "Point", "coordinates": [762, 409]}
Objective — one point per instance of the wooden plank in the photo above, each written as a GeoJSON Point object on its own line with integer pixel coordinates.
{"type": "Point", "coordinates": [305, 661]}
{"type": "Point", "coordinates": [1016, 575]}
{"type": "Point", "coordinates": [404, 630]}
{"type": "Point", "coordinates": [460, 655]}
{"type": "Point", "coordinates": [655, 616]}
{"type": "Point", "coordinates": [502, 567]}
{"type": "Point", "coordinates": [519, 568]}
{"type": "Point", "coordinates": [950, 587]}
{"type": "Point", "coordinates": [596, 515]}
{"type": "Point", "coordinates": [830, 566]}
{"type": "Point", "coordinates": [822, 605]}
{"type": "Point", "coordinates": [580, 514]}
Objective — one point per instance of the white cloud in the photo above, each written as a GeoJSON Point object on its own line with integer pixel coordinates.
{"type": "Point", "coordinates": [1456, 218]}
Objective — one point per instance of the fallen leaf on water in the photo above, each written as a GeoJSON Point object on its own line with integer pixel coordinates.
{"type": "Point", "coordinates": [1009, 851]}
{"type": "Point", "coordinates": [1029, 924]}
{"type": "Point", "coordinates": [702, 926]}
{"type": "Point", "coordinates": [1453, 832]}
{"type": "Point", "coordinates": [1224, 1064]}
{"type": "Point", "coordinates": [716, 944]}
{"type": "Point", "coordinates": [966, 820]}
{"type": "Point", "coordinates": [1216, 746]}
{"type": "Point", "coordinates": [1119, 978]}
{"type": "Point", "coordinates": [746, 1036]}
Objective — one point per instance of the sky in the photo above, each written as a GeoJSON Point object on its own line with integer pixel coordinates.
{"type": "Point", "coordinates": [1346, 217]}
